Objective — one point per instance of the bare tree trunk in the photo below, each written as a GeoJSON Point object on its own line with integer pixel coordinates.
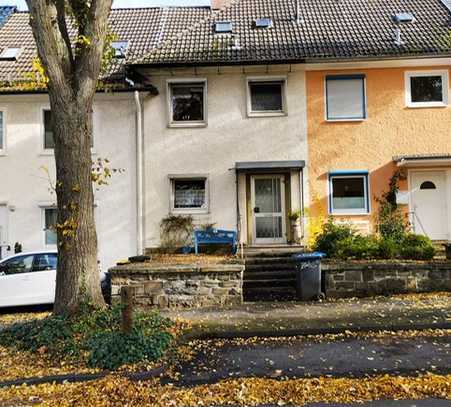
{"type": "Point", "coordinates": [73, 67]}
{"type": "Point", "coordinates": [77, 238]}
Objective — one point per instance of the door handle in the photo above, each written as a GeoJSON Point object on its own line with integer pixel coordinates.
{"type": "Point", "coordinates": [256, 210]}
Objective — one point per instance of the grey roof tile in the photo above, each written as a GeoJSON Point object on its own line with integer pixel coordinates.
{"type": "Point", "coordinates": [329, 30]}
{"type": "Point", "coordinates": [144, 28]}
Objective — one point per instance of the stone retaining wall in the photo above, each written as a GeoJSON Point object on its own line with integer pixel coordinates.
{"type": "Point", "coordinates": [180, 286]}
{"type": "Point", "coordinates": [362, 279]}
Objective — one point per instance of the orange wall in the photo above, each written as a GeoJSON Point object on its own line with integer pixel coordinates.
{"type": "Point", "coordinates": [390, 129]}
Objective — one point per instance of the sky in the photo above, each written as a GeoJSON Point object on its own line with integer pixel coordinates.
{"type": "Point", "coordinates": [125, 3]}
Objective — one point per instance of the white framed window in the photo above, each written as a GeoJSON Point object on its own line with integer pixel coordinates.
{"type": "Point", "coordinates": [189, 194]}
{"type": "Point", "coordinates": [47, 126]}
{"type": "Point", "coordinates": [49, 220]}
{"type": "Point", "coordinates": [48, 143]}
{"type": "Point", "coordinates": [345, 97]}
{"type": "Point", "coordinates": [266, 96]}
{"type": "Point", "coordinates": [187, 102]}
{"type": "Point", "coordinates": [426, 88]}
{"type": "Point", "coordinates": [349, 193]}
{"type": "Point", "coordinates": [2, 131]}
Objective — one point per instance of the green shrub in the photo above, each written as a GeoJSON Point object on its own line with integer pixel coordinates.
{"type": "Point", "coordinates": [389, 248]}
{"type": "Point", "coordinates": [342, 242]}
{"type": "Point", "coordinates": [328, 241]}
{"type": "Point", "coordinates": [417, 247]}
{"type": "Point", "coordinates": [93, 338]}
{"type": "Point", "coordinates": [110, 350]}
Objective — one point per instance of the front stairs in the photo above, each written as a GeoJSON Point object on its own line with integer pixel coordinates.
{"type": "Point", "coordinates": [270, 273]}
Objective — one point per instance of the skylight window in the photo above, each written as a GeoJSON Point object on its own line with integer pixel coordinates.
{"type": "Point", "coordinates": [223, 27]}
{"type": "Point", "coordinates": [263, 23]}
{"type": "Point", "coordinates": [120, 48]}
{"type": "Point", "coordinates": [9, 54]}
{"type": "Point", "coordinates": [400, 18]}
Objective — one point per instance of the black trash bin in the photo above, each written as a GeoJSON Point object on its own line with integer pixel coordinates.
{"type": "Point", "coordinates": [308, 276]}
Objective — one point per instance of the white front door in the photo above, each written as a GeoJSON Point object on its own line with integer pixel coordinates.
{"type": "Point", "coordinates": [268, 208]}
{"type": "Point", "coordinates": [428, 200]}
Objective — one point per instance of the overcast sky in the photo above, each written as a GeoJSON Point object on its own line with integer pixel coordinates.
{"type": "Point", "coordinates": [126, 3]}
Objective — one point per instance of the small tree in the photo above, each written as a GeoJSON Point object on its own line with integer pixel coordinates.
{"type": "Point", "coordinates": [72, 66]}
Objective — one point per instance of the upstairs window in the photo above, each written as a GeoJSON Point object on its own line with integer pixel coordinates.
{"type": "Point", "coordinates": [120, 48]}
{"type": "Point", "coordinates": [427, 89]}
{"type": "Point", "coordinates": [345, 97]}
{"type": "Point", "coordinates": [9, 54]}
{"type": "Point", "coordinates": [266, 97]}
{"type": "Point", "coordinates": [50, 221]}
{"type": "Point", "coordinates": [49, 143]}
{"type": "Point", "coordinates": [187, 103]}
{"type": "Point", "coordinates": [348, 193]}
{"type": "Point", "coordinates": [222, 27]}
{"type": "Point", "coordinates": [189, 194]}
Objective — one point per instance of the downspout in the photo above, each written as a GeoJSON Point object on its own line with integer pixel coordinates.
{"type": "Point", "coordinates": [139, 173]}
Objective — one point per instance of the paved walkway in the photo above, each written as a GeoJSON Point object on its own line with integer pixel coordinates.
{"type": "Point", "coordinates": [286, 319]}
{"type": "Point", "coordinates": [335, 356]}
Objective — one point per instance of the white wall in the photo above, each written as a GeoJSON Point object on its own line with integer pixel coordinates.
{"type": "Point", "coordinates": [24, 185]}
{"type": "Point", "coordinates": [230, 137]}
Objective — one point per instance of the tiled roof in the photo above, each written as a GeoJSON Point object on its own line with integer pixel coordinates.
{"type": "Point", "coordinates": [328, 30]}
{"type": "Point", "coordinates": [144, 28]}
{"type": "Point", "coordinates": [5, 12]}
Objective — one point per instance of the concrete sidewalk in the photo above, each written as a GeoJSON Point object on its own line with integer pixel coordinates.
{"type": "Point", "coordinates": [413, 311]}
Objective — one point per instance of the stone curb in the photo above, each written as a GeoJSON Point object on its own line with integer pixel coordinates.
{"type": "Point", "coordinates": [80, 378]}
{"type": "Point", "coordinates": [315, 331]}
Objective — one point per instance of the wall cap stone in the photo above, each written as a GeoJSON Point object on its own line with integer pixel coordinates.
{"type": "Point", "coordinates": [176, 269]}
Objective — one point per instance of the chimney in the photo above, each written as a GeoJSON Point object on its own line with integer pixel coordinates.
{"type": "Point", "coordinates": [220, 4]}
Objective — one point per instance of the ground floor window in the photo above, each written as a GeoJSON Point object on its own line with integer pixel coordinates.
{"type": "Point", "coordinates": [189, 194]}
{"type": "Point", "coordinates": [348, 193]}
{"type": "Point", "coordinates": [50, 219]}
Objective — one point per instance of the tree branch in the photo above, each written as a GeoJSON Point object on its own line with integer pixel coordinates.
{"type": "Point", "coordinates": [62, 24]}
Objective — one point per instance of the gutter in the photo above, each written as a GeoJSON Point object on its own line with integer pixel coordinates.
{"type": "Point", "coordinates": [139, 173]}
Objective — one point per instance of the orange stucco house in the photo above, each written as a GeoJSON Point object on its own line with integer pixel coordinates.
{"type": "Point", "coordinates": [368, 121]}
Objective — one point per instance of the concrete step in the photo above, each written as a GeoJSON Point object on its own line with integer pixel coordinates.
{"type": "Point", "coordinates": [268, 260]}
{"type": "Point", "coordinates": [252, 268]}
{"type": "Point", "coordinates": [270, 283]}
{"type": "Point", "coordinates": [270, 274]}
{"type": "Point", "coordinates": [286, 251]}
{"type": "Point", "coordinates": [270, 294]}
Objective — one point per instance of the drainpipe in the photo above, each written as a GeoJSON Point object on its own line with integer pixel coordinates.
{"type": "Point", "coordinates": [139, 173]}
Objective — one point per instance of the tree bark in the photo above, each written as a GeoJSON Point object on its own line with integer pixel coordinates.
{"type": "Point", "coordinates": [73, 73]}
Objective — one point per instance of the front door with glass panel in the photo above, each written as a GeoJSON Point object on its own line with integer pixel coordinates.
{"type": "Point", "coordinates": [268, 208]}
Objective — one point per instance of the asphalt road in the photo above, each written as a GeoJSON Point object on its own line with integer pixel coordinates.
{"type": "Point", "coordinates": [302, 357]}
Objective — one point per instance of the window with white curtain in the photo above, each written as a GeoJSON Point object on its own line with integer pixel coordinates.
{"type": "Point", "coordinates": [345, 97]}
{"type": "Point", "coordinates": [189, 194]}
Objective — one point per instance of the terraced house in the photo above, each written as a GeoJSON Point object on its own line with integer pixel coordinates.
{"type": "Point", "coordinates": [244, 114]}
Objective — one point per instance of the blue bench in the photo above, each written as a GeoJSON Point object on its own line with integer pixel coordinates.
{"type": "Point", "coordinates": [215, 236]}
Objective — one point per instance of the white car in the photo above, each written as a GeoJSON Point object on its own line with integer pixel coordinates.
{"type": "Point", "coordinates": [30, 279]}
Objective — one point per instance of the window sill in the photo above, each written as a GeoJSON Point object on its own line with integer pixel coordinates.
{"type": "Point", "coordinates": [47, 153]}
{"type": "Point", "coordinates": [190, 212]}
{"type": "Point", "coordinates": [253, 115]}
{"type": "Point", "coordinates": [187, 125]}
{"type": "Point", "coordinates": [346, 120]}
{"type": "Point", "coordinates": [349, 213]}
{"type": "Point", "coordinates": [433, 105]}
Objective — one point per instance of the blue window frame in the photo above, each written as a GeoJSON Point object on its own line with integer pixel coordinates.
{"type": "Point", "coordinates": [349, 193]}
{"type": "Point", "coordinates": [345, 97]}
